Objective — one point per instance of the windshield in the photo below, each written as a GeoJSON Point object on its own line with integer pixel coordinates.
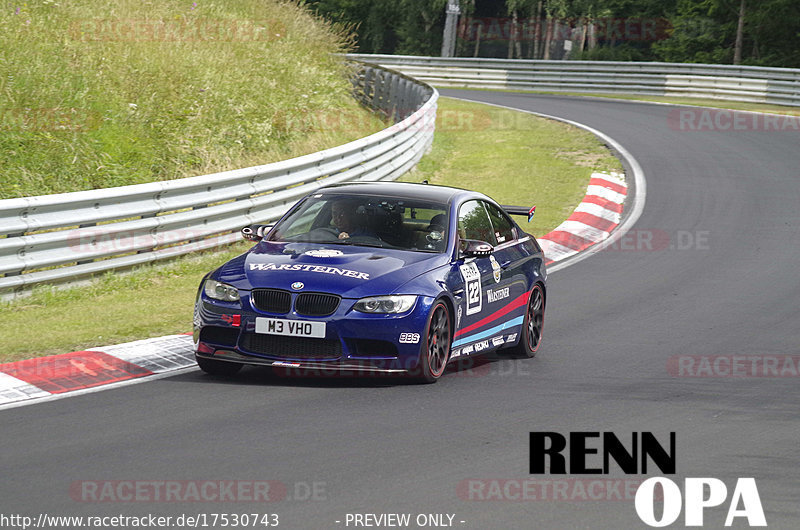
{"type": "Point", "coordinates": [390, 222]}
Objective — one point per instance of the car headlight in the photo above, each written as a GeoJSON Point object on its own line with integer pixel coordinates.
{"type": "Point", "coordinates": [221, 291]}
{"type": "Point", "coordinates": [386, 304]}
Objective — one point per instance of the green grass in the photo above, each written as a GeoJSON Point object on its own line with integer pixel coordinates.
{"type": "Point", "coordinates": [98, 94]}
{"type": "Point", "coordinates": [514, 157]}
{"type": "Point", "coordinates": [151, 301]}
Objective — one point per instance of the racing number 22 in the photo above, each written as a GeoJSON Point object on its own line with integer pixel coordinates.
{"type": "Point", "coordinates": [472, 281]}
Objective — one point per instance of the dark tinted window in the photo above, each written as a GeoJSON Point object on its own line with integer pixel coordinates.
{"type": "Point", "coordinates": [392, 222]}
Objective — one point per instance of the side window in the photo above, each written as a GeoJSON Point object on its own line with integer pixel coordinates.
{"type": "Point", "coordinates": [503, 227]}
{"type": "Point", "coordinates": [473, 222]}
{"type": "Point", "coordinates": [303, 220]}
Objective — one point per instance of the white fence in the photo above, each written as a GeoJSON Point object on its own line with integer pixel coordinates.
{"type": "Point", "coordinates": [739, 83]}
{"type": "Point", "coordinates": [61, 237]}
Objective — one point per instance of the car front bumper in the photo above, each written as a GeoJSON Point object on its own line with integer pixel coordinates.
{"type": "Point", "coordinates": [355, 343]}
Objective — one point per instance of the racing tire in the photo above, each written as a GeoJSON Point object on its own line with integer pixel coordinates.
{"type": "Point", "coordinates": [218, 368]}
{"type": "Point", "coordinates": [532, 326]}
{"type": "Point", "coordinates": [435, 351]}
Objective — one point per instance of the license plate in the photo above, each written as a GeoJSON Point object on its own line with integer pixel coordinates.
{"type": "Point", "coordinates": [292, 328]}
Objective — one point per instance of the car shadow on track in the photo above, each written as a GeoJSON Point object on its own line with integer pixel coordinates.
{"type": "Point", "coordinates": [285, 377]}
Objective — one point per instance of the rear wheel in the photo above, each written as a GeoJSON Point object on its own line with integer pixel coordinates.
{"type": "Point", "coordinates": [435, 351]}
{"type": "Point", "coordinates": [532, 325]}
{"type": "Point", "coordinates": [221, 368]}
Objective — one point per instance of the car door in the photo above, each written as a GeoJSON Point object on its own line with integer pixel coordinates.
{"type": "Point", "coordinates": [509, 295]}
{"type": "Point", "coordinates": [475, 322]}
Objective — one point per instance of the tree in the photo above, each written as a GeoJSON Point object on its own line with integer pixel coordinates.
{"type": "Point", "coordinates": [372, 22]}
{"type": "Point", "coordinates": [727, 31]}
{"type": "Point", "coordinates": [737, 50]}
{"type": "Point", "coordinates": [763, 32]}
{"type": "Point", "coordinates": [419, 26]}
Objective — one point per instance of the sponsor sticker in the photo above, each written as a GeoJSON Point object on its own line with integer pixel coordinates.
{"type": "Point", "coordinates": [309, 268]}
{"type": "Point", "coordinates": [497, 270]}
{"type": "Point", "coordinates": [409, 338]}
{"type": "Point", "coordinates": [324, 253]}
{"type": "Point", "coordinates": [497, 294]}
{"type": "Point", "coordinates": [482, 345]}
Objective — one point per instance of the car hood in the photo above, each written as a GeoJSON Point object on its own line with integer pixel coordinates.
{"type": "Point", "coordinates": [350, 271]}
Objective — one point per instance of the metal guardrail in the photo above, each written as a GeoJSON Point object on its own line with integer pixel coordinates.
{"type": "Point", "coordinates": [738, 83]}
{"type": "Point", "coordinates": [61, 237]}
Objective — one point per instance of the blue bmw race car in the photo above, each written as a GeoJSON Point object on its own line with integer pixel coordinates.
{"type": "Point", "coordinates": [386, 277]}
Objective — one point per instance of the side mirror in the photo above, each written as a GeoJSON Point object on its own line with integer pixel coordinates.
{"type": "Point", "coordinates": [474, 248]}
{"type": "Point", "coordinates": [255, 232]}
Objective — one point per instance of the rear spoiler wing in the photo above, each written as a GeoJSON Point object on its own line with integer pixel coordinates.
{"type": "Point", "coordinates": [520, 210]}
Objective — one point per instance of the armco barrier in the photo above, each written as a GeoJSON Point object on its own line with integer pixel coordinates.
{"type": "Point", "coordinates": [61, 237]}
{"type": "Point", "coordinates": [738, 83]}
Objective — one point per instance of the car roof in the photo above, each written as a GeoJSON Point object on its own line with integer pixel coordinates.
{"type": "Point", "coordinates": [407, 190]}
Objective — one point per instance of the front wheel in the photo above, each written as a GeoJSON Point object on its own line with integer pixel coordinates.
{"type": "Point", "coordinates": [219, 368]}
{"type": "Point", "coordinates": [532, 325]}
{"type": "Point", "coordinates": [435, 351]}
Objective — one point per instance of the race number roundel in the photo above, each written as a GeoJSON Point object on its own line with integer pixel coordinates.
{"type": "Point", "coordinates": [472, 287]}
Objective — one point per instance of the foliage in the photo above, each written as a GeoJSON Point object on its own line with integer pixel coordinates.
{"type": "Point", "coordinates": [98, 94]}
{"type": "Point", "coordinates": [689, 30]}
{"type": "Point", "coordinates": [404, 26]}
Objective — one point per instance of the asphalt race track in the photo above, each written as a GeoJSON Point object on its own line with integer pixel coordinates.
{"type": "Point", "coordinates": [725, 201]}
